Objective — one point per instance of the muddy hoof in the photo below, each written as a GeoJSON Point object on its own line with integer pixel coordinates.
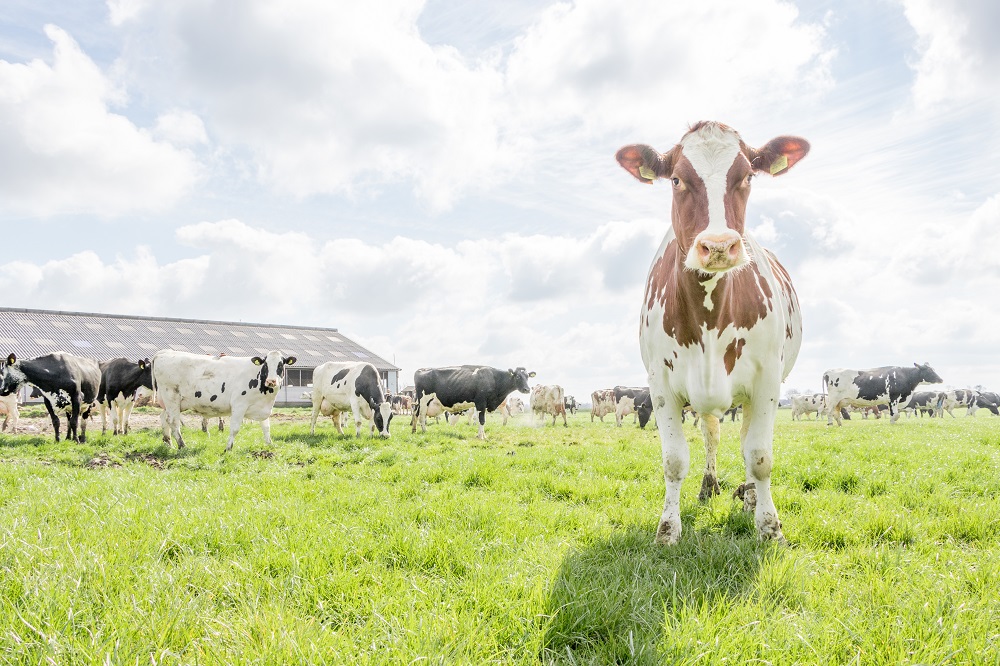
{"type": "Point", "coordinates": [709, 488]}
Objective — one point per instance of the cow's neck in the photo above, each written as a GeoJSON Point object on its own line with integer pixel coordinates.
{"type": "Point", "coordinates": [693, 301]}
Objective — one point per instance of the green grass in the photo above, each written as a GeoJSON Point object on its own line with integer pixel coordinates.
{"type": "Point", "coordinates": [533, 547]}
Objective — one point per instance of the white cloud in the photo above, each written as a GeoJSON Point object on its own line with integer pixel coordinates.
{"type": "Point", "coordinates": [339, 98]}
{"type": "Point", "coordinates": [65, 151]}
{"type": "Point", "coordinates": [181, 128]}
{"type": "Point", "coordinates": [957, 48]}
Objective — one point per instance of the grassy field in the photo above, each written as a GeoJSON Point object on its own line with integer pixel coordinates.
{"type": "Point", "coordinates": [533, 547]}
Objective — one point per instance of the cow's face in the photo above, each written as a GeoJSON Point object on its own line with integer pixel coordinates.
{"type": "Point", "coordinates": [927, 374]}
{"type": "Point", "coordinates": [272, 368]}
{"type": "Point", "coordinates": [383, 416]}
{"type": "Point", "coordinates": [145, 373]}
{"type": "Point", "coordinates": [521, 377]}
{"type": "Point", "coordinates": [644, 409]}
{"type": "Point", "coordinates": [710, 172]}
{"type": "Point", "coordinates": [12, 377]}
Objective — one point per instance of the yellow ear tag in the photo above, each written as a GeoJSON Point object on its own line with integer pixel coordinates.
{"type": "Point", "coordinates": [647, 173]}
{"type": "Point", "coordinates": [779, 164]}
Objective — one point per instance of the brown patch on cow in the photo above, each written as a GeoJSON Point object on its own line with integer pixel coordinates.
{"type": "Point", "coordinates": [737, 192]}
{"type": "Point", "coordinates": [733, 352]}
{"type": "Point", "coordinates": [736, 300]}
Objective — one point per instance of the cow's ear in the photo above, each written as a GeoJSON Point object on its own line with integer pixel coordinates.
{"type": "Point", "coordinates": [531, 374]}
{"type": "Point", "coordinates": [510, 370]}
{"type": "Point", "coordinates": [290, 360]}
{"type": "Point", "coordinates": [12, 359]}
{"type": "Point", "coordinates": [142, 364]}
{"type": "Point", "coordinates": [257, 360]}
{"type": "Point", "coordinates": [779, 155]}
{"type": "Point", "coordinates": [645, 162]}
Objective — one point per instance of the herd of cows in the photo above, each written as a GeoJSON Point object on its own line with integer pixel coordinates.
{"type": "Point", "coordinates": [720, 328]}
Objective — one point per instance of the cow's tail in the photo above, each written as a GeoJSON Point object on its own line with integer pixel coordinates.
{"type": "Point", "coordinates": [826, 383]}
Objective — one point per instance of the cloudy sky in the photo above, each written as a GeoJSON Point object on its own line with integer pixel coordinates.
{"type": "Point", "coordinates": [437, 178]}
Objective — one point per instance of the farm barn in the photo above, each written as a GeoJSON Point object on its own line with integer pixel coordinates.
{"type": "Point", "coordinates": [30, 333]}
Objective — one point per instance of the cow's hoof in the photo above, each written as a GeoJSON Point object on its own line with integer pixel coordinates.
{"type": "Point", "coordinates": [709, 488]}
{"type": "Point", "coordinates": [667, 534]}
{"type": "Point", "coordinates": [770, 530]}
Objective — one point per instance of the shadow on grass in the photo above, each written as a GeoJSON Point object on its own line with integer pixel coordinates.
{"type": "Point", "coordinates": [610, 600]}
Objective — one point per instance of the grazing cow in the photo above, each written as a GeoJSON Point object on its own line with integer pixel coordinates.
{"type": "Point", "coordinates": [686, 411]}
{"type": "Point", "coordinates": [354, 387]}
{"type": "Point", "coordinates": [8, 407]}
{"type": "Point", "coordinates": [733, 412]}
{"type": "Point", "coordinates": [570, 404]}
{"type": "Point", "coordinates": [548, 400]}
{"type": "Point", "coordinates": [987, 399]}
{"type": "Point", "coordinates": [465, 386]}
{"type": "Point", "coordinates": [65, 381]}
{"type": "Point", "coordinates": [949, 400]}
{"type": "Point", "coordinates": [236, 386]}
{"type": "Point", "coordinates": [720, 321]}
{"type": "Point", "coordinates": [808, 403]}
{"type": "Point", "coordinates": [891, 385]}
{"type": "Point", "coordinates": [602, 403]}
{"type": "Point", "coordinates": [632, 401]}
{"type": "Point", "coordinates": [120, 380]}
{"type": "Point", "coordinates": [510, 408]}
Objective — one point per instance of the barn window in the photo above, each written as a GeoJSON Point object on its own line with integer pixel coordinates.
{"type": "Point", "coordinates": [310, 337]}
{"type": "Point", "coordinates": [179, 348]}
{"type": "Point", "coordinates": [298, 376]}
{"type": "Point", "coordinates": [333, 338]}
{"type": "Point", "coordinates": [209, 350]}
{"type": "Point", "coordinates": [114, 345]}
{"type": "Point", "coordinates": [123, 327]}
{"type": "Point", "coordinates": [82, 344]}
{"type": "Point", "coordinates": [25, 322]}
{"type": "Point", "coordinates": [288, 336]}
{"type": "Point", "coordinates": [238, 334]}
{"type": "Point", "coordinates": [361, 354]}
{"type": "Point", "coordinates": [210, 331]}
{"type": "Point", "coordinates": [262, 334]}
{"type": "Point", "coordinates": [156, 329]}
{"type": "Point", "coordinates": [8, 341]}
{"type": "Point", "coordinates": [61, 324]}
{"type": "Point", "coordinates": [45, 341]}
{"type": "Point", "coordinates": [236, 350]}
{"type": "Point", "coordinates": [94, 327]}
{"type": "Point", "coordinates": [185, 331]}
{"type": "Point", "coordinates": [148, 347]}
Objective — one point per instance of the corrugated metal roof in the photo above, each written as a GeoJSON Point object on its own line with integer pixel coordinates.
{"type": "Point", "coordinates": [30, 333]}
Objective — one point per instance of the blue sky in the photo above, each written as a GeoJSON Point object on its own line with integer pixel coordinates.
{"type": "Point", "coordinates": [437, 179]}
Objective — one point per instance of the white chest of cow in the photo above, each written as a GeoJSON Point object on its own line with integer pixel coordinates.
{"type": "Point", "coordinates": [720, 321]}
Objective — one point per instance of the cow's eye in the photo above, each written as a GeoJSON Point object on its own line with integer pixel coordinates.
{"type": "Point", "coordinates": [676, 182]}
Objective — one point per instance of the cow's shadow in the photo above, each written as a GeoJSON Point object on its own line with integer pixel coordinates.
{"type": "Point", "coordinates": [612, 599]}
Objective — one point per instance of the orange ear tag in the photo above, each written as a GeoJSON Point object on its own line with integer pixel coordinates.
{"type": "Point", "coordinates": [779, 164]}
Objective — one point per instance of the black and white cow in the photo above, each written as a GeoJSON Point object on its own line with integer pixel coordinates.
{"type": "Point", "coordinates": [949, 400]}
{"type": "Point", "coordinates": [922, 402]}
{"type": "Point", "coordinates": [988, 400]}
{"type": "Point", "coordinates": [66, 382]}
{"type": "Point", "coordinates": [629, 400]}
{"type": "Point", "coordinates": [120, 379]}
{"type": "Point", "coordinates": [466, 386]}
{"type": "Point", "coordinates": [891, 385]}
{"type": "Point", "coordinates": [210, 386]}
{"type": "Point", "coordinates": [570, 403]}
{"type": "Point", "coordinates": [350, 387]}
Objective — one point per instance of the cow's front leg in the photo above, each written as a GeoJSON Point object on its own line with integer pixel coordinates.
{"type": "Point", "coordinates": [236, 421]}
{"type": "Point", "coordinates": [481, 410]}
{"type": "Point", "coordinates": [894, 411]}
{"type": "Point", "coordinates": [676, 461]}
{"type": "Point", "coordinates": [757, 435]}
{"type": "Point", "coordinates": [712, 433]}
{"type": "Point", "coordinates": [265, 426]}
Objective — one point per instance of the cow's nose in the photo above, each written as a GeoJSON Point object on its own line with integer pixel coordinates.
{"type": "Point", "coordinates": [718, 251]}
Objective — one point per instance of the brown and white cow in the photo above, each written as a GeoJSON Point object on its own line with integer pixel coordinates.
{"type": "Point", "coordinates": [720, 321]}
{"type": "Point", "coordinates": [546, 400]}
{"type": "Point", "coordinates": [602, 403]}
